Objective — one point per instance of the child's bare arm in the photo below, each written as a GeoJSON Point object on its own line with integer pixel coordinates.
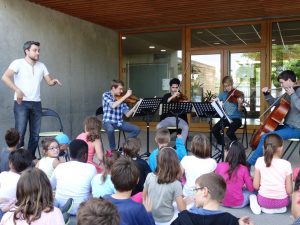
{"type": "Point", "coordinates": [180, 203]}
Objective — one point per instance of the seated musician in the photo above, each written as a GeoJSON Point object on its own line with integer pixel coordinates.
{"type": "Point", "coordinates": [232, 103]}
{"type": "Point", "coordinates": [169, 119]}
{"type": "Point", "coordinates": [113, 111]}
{"type": "Point", "coordinates": [291, 126]}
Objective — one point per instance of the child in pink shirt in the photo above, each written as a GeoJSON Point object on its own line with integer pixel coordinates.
{"type": "Point", "coordinates": [236, 175]}
{"type": "Point", "coordinates": [273, 177]}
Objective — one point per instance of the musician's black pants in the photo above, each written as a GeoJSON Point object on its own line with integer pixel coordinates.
{"type": "Point", "coordinates": [232, 127]}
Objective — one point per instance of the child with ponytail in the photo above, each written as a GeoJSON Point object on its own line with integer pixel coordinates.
{"type": "Point", "coordinates": [272, 178]}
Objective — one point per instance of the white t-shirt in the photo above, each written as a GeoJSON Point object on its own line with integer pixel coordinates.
{"type": "Point", "coordinates": [28, 78]}
{"type": "Point", "coordinates": [194, 167]}
{"type": "Point", "coordinates": [272, 179]}
{"type": "Point", "coordinates": [8, 186]}
{"type": "Point", "coordinates": [46, 164]}
{"type": "Point", "coordinates": [72, 180]}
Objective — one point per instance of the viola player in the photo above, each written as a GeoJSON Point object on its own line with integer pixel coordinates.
{"type": "Point", "coordinates": [233, 104]}
{"type": "Point", "coordinates": [168, 119]}
{"type": "Point", "coordinates": [291, 126]}
{"type": "Point", "coordinates": [113, 111]}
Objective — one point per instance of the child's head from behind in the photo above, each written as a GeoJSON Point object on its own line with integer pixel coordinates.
{"type": "Point", "coordinates": [235, 155]}
{"type": "Point", "coordinates": [12, 137]}
{"type": "Point", "coordinates": [78, 150]}
{"type": "Point", "coordinates": [109, 159]}
{"type": "Point", "coordinates": [124, 174]}
{"type": "Point", "coordinates": [50, 147]}
{"type": "Point", "coordinates": [97, 212]}
{"type": "Point", "coordinates": [273, 144]}
{"type": "Point", "coordinates": [93, 126]}
{"type": "Point", "coordinates": [20, 160]}
{"type": "Point", "coordinates": [131, 147]}
{"type": "Point", "coordinates": [162, 137]}
{"type": "Point", "coordinates": [168, 167]}
{"type": "Point", "coordinates": [200, 146]}
{"type": "Point", "coordinates": [34, 195]}
{"type": "Point", "coordinates": [209, 187]}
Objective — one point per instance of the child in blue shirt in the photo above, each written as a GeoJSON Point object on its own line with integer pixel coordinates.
{"type": "Point", "coordinates": [162, 138]}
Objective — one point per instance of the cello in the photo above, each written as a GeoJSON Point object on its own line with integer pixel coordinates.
{"type": "Point", "coordinates": [272, 121]}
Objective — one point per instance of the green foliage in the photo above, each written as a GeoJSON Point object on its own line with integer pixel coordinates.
{"type": "Point", "coordinates": [209, 96]}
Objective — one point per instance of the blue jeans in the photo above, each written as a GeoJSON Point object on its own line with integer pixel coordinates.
{"type": "Point", "coordinates": [30, 112]}
{"type": "Point", "coordinates": [285, 131]}
{"type": "Point", "coordinates": [133, 131]}
{"type": "Point", "coordinates": [246, 202]}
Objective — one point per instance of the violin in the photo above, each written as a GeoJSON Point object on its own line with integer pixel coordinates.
{"type": "Point", "coordinates": [234, 95]}
{"type": "Point", "coordinates": [131, 100]}
{"type": "Point", "coordinates": [180, 98]}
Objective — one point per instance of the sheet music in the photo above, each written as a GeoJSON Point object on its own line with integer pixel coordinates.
{"type": "Point", "coordinates": [137, 106]}
{"type": "Point", "coordinates": [218, 107]}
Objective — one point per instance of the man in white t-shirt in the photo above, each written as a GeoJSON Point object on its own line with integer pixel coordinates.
{"type": "Point", "coordinates": [73, 178]}
{"type": "Point", "coordinates": [28, 73]}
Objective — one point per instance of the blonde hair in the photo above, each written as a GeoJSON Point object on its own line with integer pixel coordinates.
{"type": "Point", "coordinates": [162, 136]}
{"type": "Point", "coordinates": [200, 146]}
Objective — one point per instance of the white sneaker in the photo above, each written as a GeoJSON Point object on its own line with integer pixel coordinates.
{"type": "Point", "coordinates": [254, 206]}
{"type": "Point", "coordinates": [273, 211]}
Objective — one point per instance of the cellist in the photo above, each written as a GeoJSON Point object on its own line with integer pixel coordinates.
{"type": "Point", "coordinates": [291, 126]}
{"type": "Point", "coordinates": [232, 103]}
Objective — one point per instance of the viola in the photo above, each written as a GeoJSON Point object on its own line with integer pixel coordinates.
{"type": "Point", "coordinates": [180, 98]}
{"type": "Point", "coordinates": [234, 95]}
{"type": "Point", "coordinates": [131, 100]}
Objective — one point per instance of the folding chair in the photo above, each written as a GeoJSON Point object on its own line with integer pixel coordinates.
{"type": "Point", "coordinates": [50, 113]}
{"type": "Point", "coordinates": [99, 112]}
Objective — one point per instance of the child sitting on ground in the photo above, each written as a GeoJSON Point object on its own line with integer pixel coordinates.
{"type": "Point", "coordinates": [12, 138]}
{"type": "Point", "coordinates": [163, 187]}
{"type": "Point", "coordinates": [131, 148]}
{"type": "Point", "coordinates": [101, 183]}
{"type": "Point", "coordinates": [97, 212]}
{"type": "Point", "coordinates": [19, 160]}
{"type": "Point", "coordinates": [199, 163]}
{"type": "Point", "coordinates": [162, 138]}
{"type": "Point", "coordinates": [34, 201]}
{"type": "Point", "coordinates": [209, 192]}
{"type": "Point", "coordinates": [236, 175]}
{"type": "Point", "coordinates": [124, 176]}
{"type": "Point", "coordinates": [91, 136]}
{"type": "Point", "coordinates": [50, 160]}
{"type": "Point", "coordinates": [272, 178]}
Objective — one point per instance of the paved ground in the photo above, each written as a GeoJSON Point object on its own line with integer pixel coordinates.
{"type": "Point", "coordinates": [263, 219]}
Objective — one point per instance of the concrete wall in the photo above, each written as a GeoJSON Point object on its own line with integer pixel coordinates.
{"type": "Point", "coordinates": [82, 55]}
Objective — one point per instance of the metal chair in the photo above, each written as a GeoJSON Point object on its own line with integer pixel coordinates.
{"type": "Point", "coordinates": [99, 112]}
{"type": "Point", "coordinates": [50, 113]}
{"type": "Point", "coordinates": [296, 142]}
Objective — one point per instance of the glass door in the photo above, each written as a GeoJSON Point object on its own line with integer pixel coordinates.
{"type": "Point", "coordinates": [245, 69]}
{"type": "Point", "coordinates": [205, 78]}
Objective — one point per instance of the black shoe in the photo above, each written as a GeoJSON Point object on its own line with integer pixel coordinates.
{"type": "Point", "coordinates": [66, 208]}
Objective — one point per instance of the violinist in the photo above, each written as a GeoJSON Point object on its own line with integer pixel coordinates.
{"type": "Point", "coordinates": [168, 119]}
{"type": "Point", "coordinates": [232, 103]}
{"type": "Point", "coordinates": [113, 111]}
{"type": "Point", "coordinates": [291, 125]}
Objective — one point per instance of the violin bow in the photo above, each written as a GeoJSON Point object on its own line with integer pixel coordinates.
{"type": "Point", "coordinates": [228, 97]}
{"type": "Point", "coordinates": [275, 102]}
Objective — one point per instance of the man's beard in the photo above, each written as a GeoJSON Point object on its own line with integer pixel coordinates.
{"type": "Point", "coordinates": [33, 59]}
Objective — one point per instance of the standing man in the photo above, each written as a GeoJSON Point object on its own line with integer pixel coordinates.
{"type": "Point", "coordinates": [169, 119]}
{"type": "Point", "coordinates": [114, 107]}
{"type": "Point", "coordinates": [28, 73]}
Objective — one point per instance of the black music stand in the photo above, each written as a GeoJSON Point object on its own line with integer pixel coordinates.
{"type": "Point", "coordinates": [147, 108]}
{"type": "Point", "coordinates": [176, 109]}
{"type": "Point", "coordinates": [206, 110]}
{"type": "Point", "coordinates": [223, 116]}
